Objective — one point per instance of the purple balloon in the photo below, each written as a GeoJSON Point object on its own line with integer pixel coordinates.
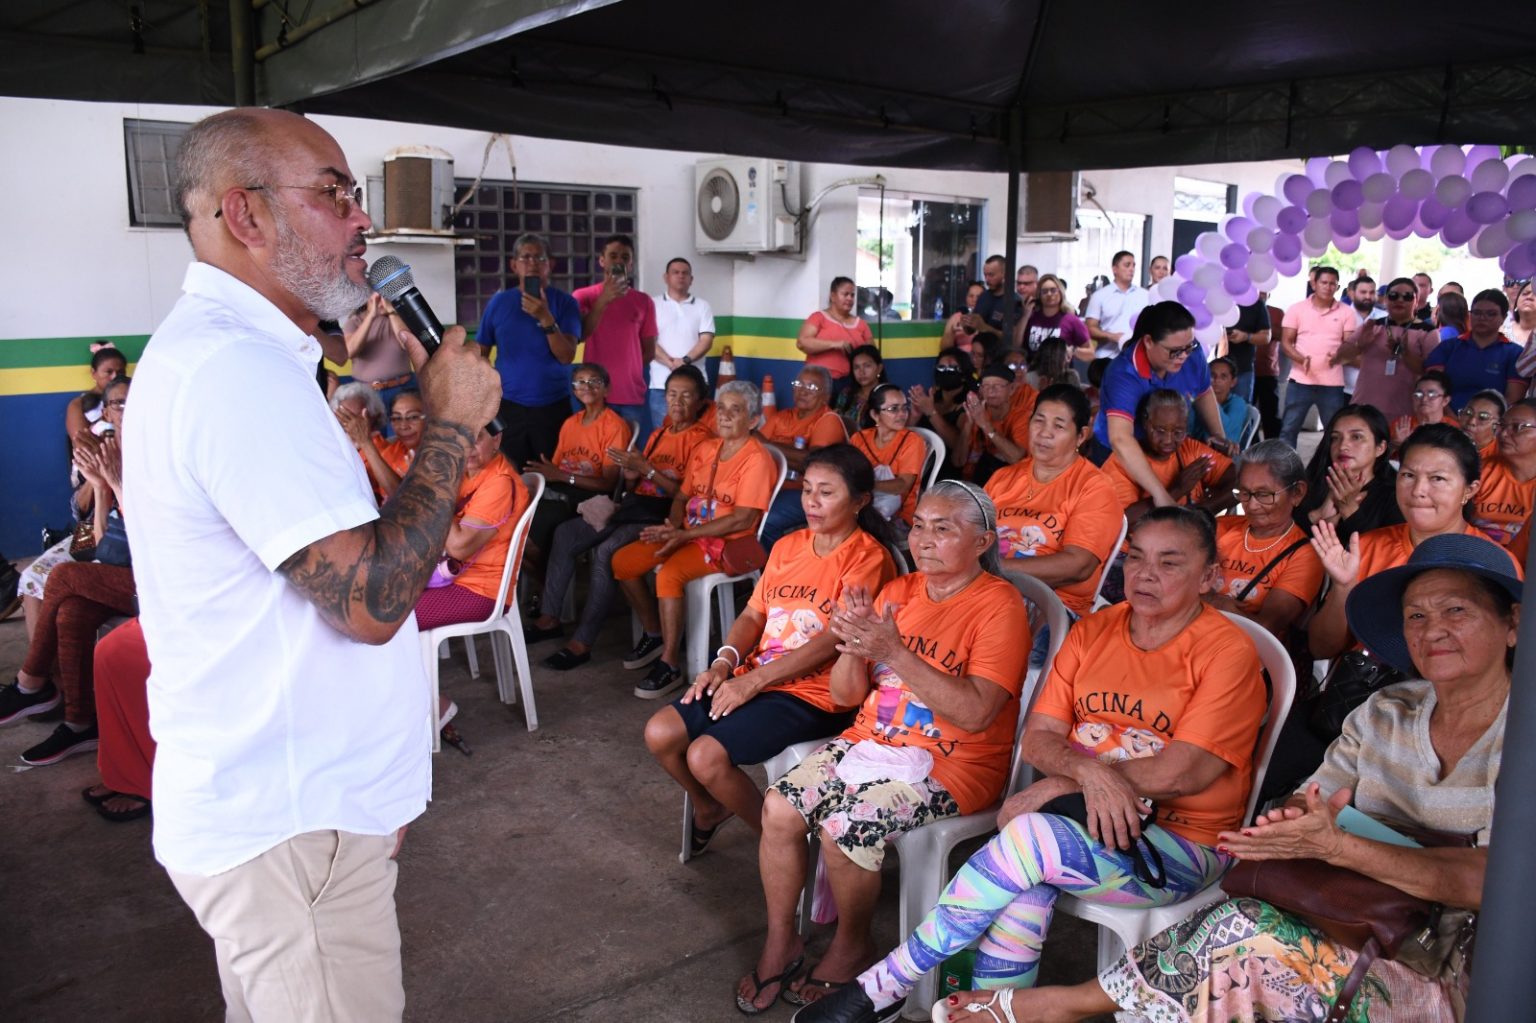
{"type": "Point", "coordinates": [1432, 215]}
{"type": "Point", "coordinates": [1297, 188]}
{"type": "Point", "coordinates": [1250, 294]}
{"type": "Point", "coordinates": [1238, 227]}
{"type": "Point", "coordinates": [1398, 213]}
{"type": "Point", "coordinates": [1234, 256]}
{"type": "Point", "coordinates": [1522, 192]}
{"type": "Point", "coordinates": [1317, 169]}
{"type": "Point", "coordinates": [1348, 195]}
{"type": "Point", "coordinates": [1202, 316]}
{"type": "Point", "coordinates": [1458, 230]}
{"type": "Point", "coordinates": [1363, 162]}
{"type": "Point", "coordinates": [1191, 294]}
{"type": "Point", "coordinates": [1248, 201]}
{"type": "Point", "coordinates": [1287, 248]}
{"type": "Point", "coordinates": [1235, 282]}
{"type": "Point", "coordinates": [1185, 265]}
{"type": "Point", "coordinates": [1345, 223]}
{"type": "Point", "coordinates": [1290, 267]}
{"type": "Point", "coordinates": [1487, 207]}
{"type": "Point", "coordinates": [1477, 154]}
{"type": "Point", "coordinates": [1293, 219]}
{"type": "Point", "coordinates": [1520, 261]}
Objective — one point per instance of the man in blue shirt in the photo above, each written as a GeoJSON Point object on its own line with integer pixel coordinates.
{"type": "Point", "coordinates": [1163, 353]}
{"type": "Point", "coordinates": [534, 329]}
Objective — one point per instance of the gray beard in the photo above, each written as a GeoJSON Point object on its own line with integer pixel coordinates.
{"type": "Point", "coordinates": [312, 276]}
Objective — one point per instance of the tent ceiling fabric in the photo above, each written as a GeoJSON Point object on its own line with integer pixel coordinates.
{"type": "Point", "coordinates": [890, 84]}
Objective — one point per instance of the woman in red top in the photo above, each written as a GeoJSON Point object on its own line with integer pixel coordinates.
{"type": "Point", "coordinates": [828, 337]}
{"type": "Point", "coordinates": [896, 453]}
{"type": "Point", "coordinates": [768, 687]}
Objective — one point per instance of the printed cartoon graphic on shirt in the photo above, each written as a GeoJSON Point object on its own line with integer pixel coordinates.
{"type": "Point", "coordinates": [701, 510]}
{"type": "Point", "coordinates": [1115, 726]}
{"type": "Point", "coordinates": [577, 463]}
{"type": "Point", "coordinates": [898, 712]}
{"type": "Point", "coordinates": [1503, 529]}
{"type": "Point", "coordinates": [786, 631]}
{"type": "Point", "coordinates": [1025, 541]}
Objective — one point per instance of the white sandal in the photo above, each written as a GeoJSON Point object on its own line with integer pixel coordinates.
{"type": "Point", "coordinates": [999, 1008]}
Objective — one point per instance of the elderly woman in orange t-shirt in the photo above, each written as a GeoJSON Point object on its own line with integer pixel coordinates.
{"type": "Point", "coordinates": [809, 423]}
{"type": "Point", "coordinates": [767, 687]}
{"type": "Point", "coordinates": [387, 460]}
{"type": "Point", "coordinates": [1156, 701]}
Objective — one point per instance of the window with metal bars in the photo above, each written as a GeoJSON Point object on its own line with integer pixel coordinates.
{"type": "Point", "coordinates": [150, 150]}
{"type": "Point", "coordinates": [573, 219]}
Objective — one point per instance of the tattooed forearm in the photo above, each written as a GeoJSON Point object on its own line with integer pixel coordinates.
{"type": "Point", "coordinates": [366, 580]}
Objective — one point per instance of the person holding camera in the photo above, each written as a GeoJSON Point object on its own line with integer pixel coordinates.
{"type": "Point", "coordinates": [618, 326]}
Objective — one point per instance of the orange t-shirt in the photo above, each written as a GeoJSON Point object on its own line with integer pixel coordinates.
{"type": "Point", "coordinates": [745, 480]}
{"type": "Point", "coordinates": [1502, 504]}
{"type": "Point", "coordinates": [1014, 425]}
{"type": "Point", "coordinates": [668, 452]}
{"type": "Point", "coordinates": [583, 447]}
{"type": "Point", "coordinates": [1167, 470]}
{"type": "Point", "coordinates": [904, 456]}
{"type": "Point", "coordinates": [1300, 574]}
{"type": "Point", "coordinates": [396, 455]}
{"type": "Point", "coordinates": [1076, 509]}
{"type": "Point", "coordinates": [1204, 687]}
{"type": "Point", "coordinates": [1390, 546]}
{"type": "Point", "coordinates": [495, 494]}
{"type": "Point", "coordinates": [797, 594]}
{"type": "Point", "coordinates": [819, 431]}
{"type": "Point", "coordinates": [982, 631]}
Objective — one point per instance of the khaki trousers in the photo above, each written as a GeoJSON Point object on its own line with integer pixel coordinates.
{"type": "Point", "coordinates": [305, 932]}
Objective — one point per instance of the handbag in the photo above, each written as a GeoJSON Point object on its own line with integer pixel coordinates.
{"type": "Point", "coordinates": [82, 544]}
{"type": "Point", "coordinates": [740, 555]}
{"type": "Point", "coordinates": [1350, 682]}
{"type": "Point", "coordinates": [1370, 916]}
{"type": "Point", "coordinates": [1074, 807]}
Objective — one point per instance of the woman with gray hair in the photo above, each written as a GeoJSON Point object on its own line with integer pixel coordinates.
{"type": "Point", "coordinates": [1191, 471]}
{"type": "Point", "coordinates": [809, 423]}
{"type": "Point", "coordinates": [360, 411]}
{"type": "Point", "coordinates": [1270, 573]}
{"type": "Point", "coordinates": [935, 662]}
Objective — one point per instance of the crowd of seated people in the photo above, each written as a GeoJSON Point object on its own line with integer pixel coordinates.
{"type": "Point", "coordinates": [883, 623]}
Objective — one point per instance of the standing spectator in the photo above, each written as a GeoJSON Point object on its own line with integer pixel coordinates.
{"type": "Point", "coordinates": [377, 358]}
{"type": "Point", "coordinates": [1522, 321]}
{"type": "Point", "coordinates": [1112, 310]}
{"type": "Point", "coordinates": [1245, 338]}
{"type": "Point", "coordinates": [1025, 285]}
{"type": "Point", "coordinates": [618, 325]}
{"type": "Point", "coordinates": [1422, 286]}
{"type": "Point", "coordinates": [685, 332]}
{"type": "Point", "coordinates": [534, 328]}
{"type": "Point", "coordinates": [1050, 318]}
{"type": "Point", "coordinates": [1310, 336]}
{"type": "Point", "coordinates": [808, 424]}
{"type": "Point", "coordinates": [1390, 351]}
{"type": "Point", "coordinates": [956, 333]}
{"type": "Point", "coordinates": [1512, 287]}
{"type": "Point", "coordinates": [992, 318]}
{"type": "Point", "coordinates": [1266, 373]}
{"type": "Point", "coordinates": [828, 337]}
{"type": "Point", "coordinates": [1451, 314]}
{"type": "Point", "coordinates": [1483, 358]}
{"type": "Point", "coordinates": [1164, 355]}
{"type": "Point", "coordinates": [1157, 270]}
{"type": "Point", "coordinates": [1361, 295]}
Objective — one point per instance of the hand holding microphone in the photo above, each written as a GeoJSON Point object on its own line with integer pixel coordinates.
{"type": "Point", "coordinates": [457, 384]}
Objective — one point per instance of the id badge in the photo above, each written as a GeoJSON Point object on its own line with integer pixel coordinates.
{"type": "Point", "coordinates": [1391, 367]}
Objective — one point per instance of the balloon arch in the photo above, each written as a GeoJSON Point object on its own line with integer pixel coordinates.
{"type": "Point", "coordinates": [1470, 197]}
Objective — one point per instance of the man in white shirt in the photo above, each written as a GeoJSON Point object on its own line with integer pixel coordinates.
{"type": "Point", "coordinates": [685, 331]}
{"type": "Point", "coordinates": [1112, 311]}
{"type": "Point", "coordinates": [287, 694]}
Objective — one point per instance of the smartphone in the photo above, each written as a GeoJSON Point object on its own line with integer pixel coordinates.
{"type": "Point", "coordinates": [616, 271]}
{"type": "Point", "coordinates": [530, 286]}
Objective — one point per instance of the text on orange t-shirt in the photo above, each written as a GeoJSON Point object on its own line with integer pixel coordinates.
{"type": "Point", "coordinates": [1502, 503]}
{"type": "Point", "coordinates": [745, 480]}
{"type": "Point", "coordinates": [583, 447]}
{"type": "Point", "coordinates": [1300, 574]}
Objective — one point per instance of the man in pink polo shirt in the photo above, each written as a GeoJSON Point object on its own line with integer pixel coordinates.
{"type": "Point", "coordinates": [618, 326]}
{"type": "Point", "coordinates": [1310, 336]}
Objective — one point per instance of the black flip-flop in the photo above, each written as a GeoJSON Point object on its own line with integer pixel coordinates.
{"type": "Point", "coordinates": [699, 839]}
{"type": "Point", "coordinates": [123, 816]}
{"type": "Point", "coordinates": [745, 1006]}
{"type": "Point", "coordinates": [792, 997]}
{"type": "Point", "coordinates": [565, 660]}
{"type": "Point", "coordinates": [85, 794]}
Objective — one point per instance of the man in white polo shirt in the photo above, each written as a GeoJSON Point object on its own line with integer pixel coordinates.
{"type": "Point", "coordinates": [287, 694]}
{"type": "Point", "coordinates": [685, 331]}
{"type": "Point", "coordinates": [1112, 309]}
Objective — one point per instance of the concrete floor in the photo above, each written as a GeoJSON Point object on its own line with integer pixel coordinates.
{"type": "Point", "coordinates": [541, 885]}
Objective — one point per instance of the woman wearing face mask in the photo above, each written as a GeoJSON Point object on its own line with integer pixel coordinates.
{"type": "Point", "coordinates": [940, 409]}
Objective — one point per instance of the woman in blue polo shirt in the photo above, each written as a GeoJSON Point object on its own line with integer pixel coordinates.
{"type": "Point", "coordinates": [1483, 358]}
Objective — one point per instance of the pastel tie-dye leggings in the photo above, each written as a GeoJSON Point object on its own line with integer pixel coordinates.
{"type": "Point", "coordinates": [1006, 892]}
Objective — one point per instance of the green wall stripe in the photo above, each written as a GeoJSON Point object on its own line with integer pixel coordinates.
{"type": "Point", "coordinates": [34, 353]}
{"type": "Point", "coordinates": [778, 326]}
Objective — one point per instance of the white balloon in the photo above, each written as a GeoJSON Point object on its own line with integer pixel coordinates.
{"type": "Point", "coordinates": [1319, 202]}
{"type": "Point", "coordinates": [1521, 225]}
{"type": "Point", "coordinates": [1209, 337]}
{"type": "Point", "coordinates": [1208, 276]}
{"type": "Point", "coordinates": [1348, 244]}
{"type": "Point", "coordinates": [1279, 188]}
{"type": "Point", "coordinates": [1269, 283]}
{"type": "Point", "coordinates": [1218, 301]}
{"type": "Point", "coordinates": [1401, 159]}
{"type": "Point", "coordinates": [1312, 251]}
{"type": "Point", "coordinates": [1260, 266]}
{"type": "Point", "coordinates": [1260, 239]}
{"type": "Point", "coordinates": [1266, 208]}
{"type": "Point", "coordinates": [1447, 160]}
{"type": "Point", "coordinates": [1167, 290]}
{"type": "Point", "coordinates": [1453, 190]}
{"type": "Point", "coordinates": [1492, 241]}
{"type": "Point", "coordinates": [1374, 234]}
{"type": "Point", "coordinates": [1336, 173]}
{"type": "Point", "coordinates": [1489, 176]}
{"type": "Point", "coordinates": [1416, 184]}
{"type": "Point", "coordinates": [1522, 166]}
{"type": "Point", "coordinates": [1370, 214]}
{"type": "Point", "coordinates": [1228, 318]}
{"type": "Point", "coordinates": [1209, 245]}
{"type": "Point", "coordinates": [1318, 234]}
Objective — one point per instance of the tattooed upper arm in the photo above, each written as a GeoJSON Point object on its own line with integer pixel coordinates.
{"type": "Point", "coordinates": [364, 581]}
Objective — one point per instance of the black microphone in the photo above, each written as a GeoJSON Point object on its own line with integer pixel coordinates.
{"type": "Point", "coordinates": [392, 278]}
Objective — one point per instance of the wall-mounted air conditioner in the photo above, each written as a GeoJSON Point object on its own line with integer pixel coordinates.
{"type": "Point", "coordinates": [1050, 206]}
{"type": "Point", "coordinates": [745, 205]}
{"type": "Point", "coordinates": [417, 190]}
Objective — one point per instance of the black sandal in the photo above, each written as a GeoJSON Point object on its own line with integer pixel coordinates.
{"type": "Point", "coordinates": [828, 987]}
{"type": "Point", "coordinates": [565, 660]}
{"type": "Point", "coordinates": [699, 838]}
{"type": "Point", "coordinates": [745, 1006]}
{"type": "Point", "coordinates": [123, 816]}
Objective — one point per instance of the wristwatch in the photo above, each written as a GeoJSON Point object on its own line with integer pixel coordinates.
{"type": "Point", "coordinates": [651, 475]}
{"type": "Point", "coordinates": [553, 328]}
{"type": "Point", "coordinates": [687, 360]}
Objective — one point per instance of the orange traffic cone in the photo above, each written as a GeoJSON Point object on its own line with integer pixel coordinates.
{"type": "Point", "coordinates": [770, 404]}
{"type": "Point", "coordinates": [727, 371]}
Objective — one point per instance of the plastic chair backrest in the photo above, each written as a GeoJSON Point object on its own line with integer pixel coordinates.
{"type": "Point", "coordinates": [934, 460]}
{"type": "Point", "coordinates": [783, 464]}
{"type": "Point", "coordinates": [1125, 527]}
{"type": "Point", "coordinates": [1045, 603]}
{"type": "Point", "coordinates": [535, 484]}
{"type": "Point", "coordinates": [900, 557]}
{"type": "Point", "coordinates": [1250, 429]}
{"type": "Point", "coordinates": [1282, 691]}
{"type": "Point", "coordinates": [634, 435]}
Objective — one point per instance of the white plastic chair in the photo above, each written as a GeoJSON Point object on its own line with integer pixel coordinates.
{"type": "Point", "coordinates": [1125, 527]}
{"type": "Point", "coordinates": [1121, 927]}
{"type": "Point", "coordinates": [924, 852]}
{"type": "Point", "coordinates": [720, 588]}
{"type": "Point", "coordinates": [933, 462]}
{"type": "Point", "coordinates": [504, 625]}
{"type": "Point", "coordinates": [1250, 429]}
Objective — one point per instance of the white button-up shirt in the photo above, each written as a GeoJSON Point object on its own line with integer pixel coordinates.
{"type": "Point", "coordinates": [678, 326]}
{"type": "Point", "coordinates": [1116, 312]}
{"type": "Point", "coordinates": [270, 723]}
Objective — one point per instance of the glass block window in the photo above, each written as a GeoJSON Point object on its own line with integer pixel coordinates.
{"type": "Point", "coordinates": [571, 218]}
{"type": "Point", "coordinates": [150, 148]}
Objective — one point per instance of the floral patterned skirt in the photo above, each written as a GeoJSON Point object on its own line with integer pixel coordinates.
{"type": "Point", "coordinates": [35, 575]}
{"type": "Point", "coordinates": [1246, 960]}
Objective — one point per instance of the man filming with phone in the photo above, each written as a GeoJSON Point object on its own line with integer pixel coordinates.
{"type": "Point", "coordinates": [618, 325]}
{"type": "Point", "coordinates": [534, 328]}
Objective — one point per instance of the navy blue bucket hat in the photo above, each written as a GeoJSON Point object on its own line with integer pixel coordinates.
{"type": "Point", "coordinates": [1375, 607]}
